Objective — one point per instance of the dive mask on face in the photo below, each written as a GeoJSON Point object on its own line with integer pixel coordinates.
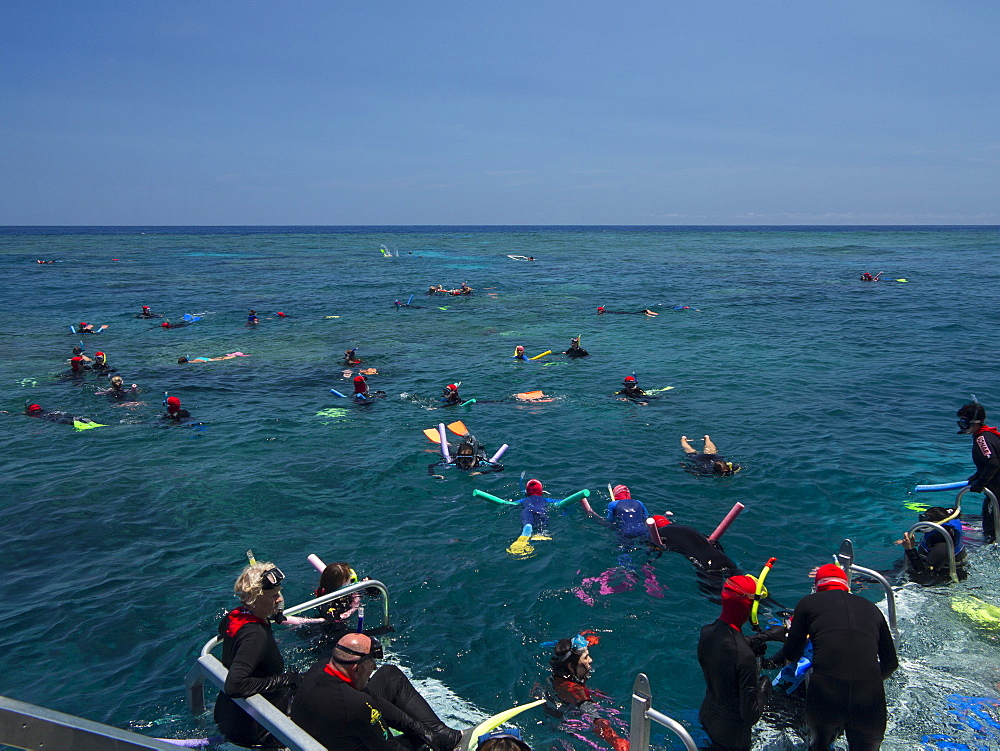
{"type": "Point", "coordinates": [375, 653]}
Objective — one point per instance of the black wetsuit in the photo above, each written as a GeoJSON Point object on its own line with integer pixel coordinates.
{"type": "Point", "coordinates": [181, 415]}
{"type": "Point", "coordinates": [688, 541]}
{"type": "Point", "coordinates": [703, 464]}
{"type": "Point", "coordinates": [633, 392]}
{"type": "Point", "coordinates": [929, 561]}
{"type": "Point", "coordinates": [736, 693]}
{"type": "Point", "coordinates": [853, 653]}
{"type": "Point", "coordinates": [61, 417]}
{"type": "Point", "coordinates": [986, 455]}
{"type": "Point", "coordinates": [343, 718]}
{"type": "Point", "coordinates": [576, 352]}
{"type": "Point", "coordinates": [255, 667]}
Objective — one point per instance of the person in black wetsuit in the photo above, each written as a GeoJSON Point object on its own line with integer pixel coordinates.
{"type": "Point", "coordinates": [351, 357]}
{"type": "Point", "coordinates": [853, 653]}
{"type": "Point", "coordinates": [986, 456]}
{"type": "Point", "coordinates": [35, 410]}
{"type": "Point", "coordinates": [346, 707]}
{"type": "Point", "coordinates": [100, 364]}
{"type": "Point", "coordinates": [174, 411]}
{"type": "Point", "coordinates": [630, 388]}
{"type": "Point", "coordinates": [575, 350]}
{"type": "Point", "coordinates": [928, 561]}
{"type": "Point", "coordinates": [710, 561]}
{"type": "Point", "coordinates": [251, 655]}
{"type": "Point", "coordinates": [736, 692]}
{"type": "Point", "coordinates": [450, 395]}
{"type": "Point", "coordinates": [708, 463]}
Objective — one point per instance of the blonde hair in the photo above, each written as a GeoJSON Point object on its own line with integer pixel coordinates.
{"type": "Point", "coordinates": [250, 583]}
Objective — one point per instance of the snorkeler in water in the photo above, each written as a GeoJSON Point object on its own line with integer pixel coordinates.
{"type": "Point", "coordinates": [147, 313]}
{"type": "Point", "coordinates": [351, 357]}
{"type": "Point", "coordinates": [630, 388]}
{"type": "Point", "coordinates": [645, 311]}
{"type": "Point", "coordinates": [575, 350]}
{"type": "Point", "coordinates": [100, 364]}
{"type": "Point", "coordinates": [174, 411]}
{"type": "Point", "coordinates": [710, 462]}
{"type": "Point", "coordinates": [450, 395]}
{"type": "Point", "coordinates": [252, 319]}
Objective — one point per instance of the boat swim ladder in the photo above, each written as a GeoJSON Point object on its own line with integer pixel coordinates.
{"type": "Point", "coordinates": [846, 559]}
{"type": "Point", "coordinates": [643, 712]}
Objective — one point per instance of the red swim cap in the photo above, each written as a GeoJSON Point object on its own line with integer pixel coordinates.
{"type": "Point", "coordinates": [76, 362]}
{"type": "Point", "coordinates": [33, 408]}
{"type": "Point", "coordinates": [173, 403]}
{"type": "Point", "coordinates": [451, 387]}
{"type": "Point", "coordinates": [145, 307]}
{"type": "Point", "coordinates": [534, 487]}
{"type": "Point", "coordinates": [621, 492]}
{"type": "Point", "coordinates": [98, 354]}
{"type": "Point", "coordinates": [742, 586]}
{"type": "Point", "coordinates": [280, 314]}
{"type": "Point", "coordinates": [629, 379]}
{"type": "Point", "coordinates": [831, 576]}
{"type": "Point", "coordinates": [661, 521]}
{"type": "Point", "coordinates": [359, 379]}
{"type": "Point", "coordinates": [165, 324]}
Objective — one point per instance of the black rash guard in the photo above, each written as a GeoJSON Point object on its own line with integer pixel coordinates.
{"type": "Point", "coordinates": [986, 455]}
{"type": "Point", "coordinates": [255, 666]}
{"type": "Point", "coordinates": [339, 716]}
{"type": "Point", "coordinates": [735, 693]}
{"type": "Point", "coordinates": [853, 653]}
{"type": "Point", "coordinates": [576, 352]}
{"type": "Point", "coordinates": [688, 541]}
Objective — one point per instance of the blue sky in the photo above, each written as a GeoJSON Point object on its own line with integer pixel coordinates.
{"type": "Point", "coordinates": [511, 112]}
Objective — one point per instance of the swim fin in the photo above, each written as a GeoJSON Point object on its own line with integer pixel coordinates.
{"type": "Point", "coordinates": [458, 428]}
{"type": "Point", "coordinates": [432, 435]}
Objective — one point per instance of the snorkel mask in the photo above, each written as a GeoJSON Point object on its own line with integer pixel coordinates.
{"type": "Point", "coordinates": [513, 733]}
{"type": "Point", "coordinates": [271, 579]}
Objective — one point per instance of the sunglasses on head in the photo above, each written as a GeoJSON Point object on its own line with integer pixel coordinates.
{"type": "Point", "coordinates": [512, 733]}
{"type": "Point", "coordinates": [271, 579]}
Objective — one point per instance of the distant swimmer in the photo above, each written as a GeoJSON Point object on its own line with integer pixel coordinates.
{"type": "Point", "coordinates": [100, 364]}
{"type": "Point", "coordinates": [88, 328]}
{"type": "Point", "coordinates": [230, 356]}
{"type": "Point", "coordinates": [252, 319]}
{"type": "Point", "coordinates": [63, 418]}
{"type": "Point", "coordinates": [169, 325]}
{"type": "Point", "coordinates": [116, 389]}
{"type": "Point", "coordinates": [645, 311]}
{"type": "Point", "coordinates": [630, 388]}
{"type": "Point", "coordinates": [575, 350]}
{"type": "Point", "coordinates": [519, 353]}
{"type": "Point", "coordinates": [147, 313]}
{"type": "Point", "coordinates": [866, 277]}
{"type": "Point", "coordinates": [41, 261]}
{"type": "Point", "coordinates": [351, 357]}
{"type": "Point", "coordinates": [707, 463]}
{"type": "Point", "coordinates": [361, 392]}
{"type": "Point", "coordinates": [437, 289]}
{"type": "Point", "coordinates": [450, 396]}
{"type": "Point", "coordinates": [78, 364]}
{"type": "Point", "coordinates": [174, 411]}
{"type": "Point", "coordinates": [521, 258]}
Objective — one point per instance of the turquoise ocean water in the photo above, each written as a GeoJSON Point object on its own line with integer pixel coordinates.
{"type": "Point", "coordinates": [121, 543]}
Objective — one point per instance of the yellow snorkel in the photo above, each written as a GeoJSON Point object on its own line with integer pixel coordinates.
{"type": "Point", "coordinates": [761, 592]}
{"type": "Point", "coordinates": [471, 741]}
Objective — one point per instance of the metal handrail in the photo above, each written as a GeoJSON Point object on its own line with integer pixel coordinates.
{"type": "Point", "coordinates": [846, 559]}
{"type": "Point", "coordinates": [934, 526]}
{"type": "Point", "coordinates": [28, 726]}
{"type": "Point", "coordinates": [263, 711]}
{"type": "Point", "coordinates": [317, 601]}
{"type": "Point", "coordinates": [643, 712]}
{"type": "Point", "coordinates": [994, 505]}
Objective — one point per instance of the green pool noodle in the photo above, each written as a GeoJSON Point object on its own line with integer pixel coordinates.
{"type": "Point", "coordinates": [573, 498]}
{"type": "Point", "coordinates": [477, 493]}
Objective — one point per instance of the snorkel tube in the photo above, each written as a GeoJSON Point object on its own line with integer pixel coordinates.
{"type": "Point", "coordinates": [760, 593]}
{"type": "Point", "coordinates": [654, 532]}
{"type": "Point", "coordinates": [471, 742]}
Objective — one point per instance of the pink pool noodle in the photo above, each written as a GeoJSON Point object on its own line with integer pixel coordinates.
{"type": "Point", "coordinates": [316, 562]}
{"type": "Point", "coordinates": [654, 533]}
{"type": "Point", "coordinates": [724, 524]}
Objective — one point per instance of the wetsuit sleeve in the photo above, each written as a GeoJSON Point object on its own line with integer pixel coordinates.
{"type": "Point", "coordinates": [611, 510]}
{"type": "Point", "coordinates": [754, 692]}
{"type": "Point", "coordinates": [985, 450]}
{"type": "Point", "coordinates": [249, 650]}
{"type": "Point", "coordinates": [887, 659]}
{"type": "Point", "coordinates": [795, 642]}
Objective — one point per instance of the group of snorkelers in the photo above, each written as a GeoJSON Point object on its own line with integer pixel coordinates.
{"type": "Point", "coordinates": [437, 289]}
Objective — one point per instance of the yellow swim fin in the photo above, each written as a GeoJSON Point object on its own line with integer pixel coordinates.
{"type": "Point", "coordinates": [521, 547]}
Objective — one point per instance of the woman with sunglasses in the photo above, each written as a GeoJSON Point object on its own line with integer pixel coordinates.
{"type": "Point", "coordinates": [571, 667]}
{"type": "Point", "coordinates": [252, 657]}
